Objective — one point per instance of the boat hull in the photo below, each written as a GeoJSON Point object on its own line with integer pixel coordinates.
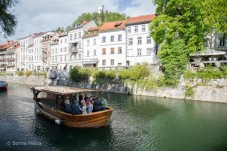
{"type": "Point", "coordinates": [93, 120]}
{"type": "Point", "coordinates": [3, 85]}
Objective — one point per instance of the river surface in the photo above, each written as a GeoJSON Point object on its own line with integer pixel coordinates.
{"type": "Point", "coordinates": [138, 124]}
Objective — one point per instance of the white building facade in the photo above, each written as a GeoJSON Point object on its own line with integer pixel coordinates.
{"type": "Point", "coordinates": [54, 51]}
{"type": "Point", "coordinates": [37, 52]}
{"type": "Point", "coordinates": [62, 55]}
{"type": "Point", "coordinates": [76, 42]}
{"type": "Point", "coordinates": [112, 52]}
{"type": "Point", "coordinates": [141, 47]}
{"type": "Point", "coordinates": [22, 58]}
{"type": "Point", "coordinates": [91, 48]}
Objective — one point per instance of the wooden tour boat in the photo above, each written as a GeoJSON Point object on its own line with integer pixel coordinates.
{"type": "Point", "coordinates": [3, 85]}
{"type": "Point", "coordinates": [54, 94]}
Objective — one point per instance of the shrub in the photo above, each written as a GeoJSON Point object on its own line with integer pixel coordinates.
{"type": "Point", "coordinates": [28, 73]}
{"type": "Point", "coordinates": [9, 74]}
{"type": "Point", "coordinates": [148, 83]}
{"type": "Point", "coordinates": [190, 92]}
{"type": "Point", "coordinates": [74, 74]}
{"type": "Point", "coordinates": [20, 73]}
{"type": "Point", "coordinates": [223, 69]}
{"type": "Point", "coordinates": [135, 73]}
{"type": "Point", "coordinates": [84, 73]}
{"type": "Point", "coordinates": [123, 74]}
{"type": "Point", "coordinates": [110, 74]}
{"type": "Point", "coordinates": [42, 74]}
{"type": "Point", "coordinates": [99, 74]}
{"type": "Point", "coordinates": [209, 73]}
{"type": "Point", "coordinates": [2, 74]}
{"type": "Point", "coordinates": [161, 81]}
{"type": "Point", "coordinates": [189, 75]}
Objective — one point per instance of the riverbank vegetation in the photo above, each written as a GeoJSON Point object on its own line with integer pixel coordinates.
{"type": "Point", "coordinates": [207, 73]}
{"type": "Point", "coordinates": [139, 74]}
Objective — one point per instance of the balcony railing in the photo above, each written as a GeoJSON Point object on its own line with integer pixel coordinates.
{"type": "Point", "coordinates": [73, 50]}
{"type": "Point", "coordinates": [8, 59]}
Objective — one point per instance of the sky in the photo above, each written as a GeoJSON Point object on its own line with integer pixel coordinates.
{"type": "Point", "coordinates": [46, 15]}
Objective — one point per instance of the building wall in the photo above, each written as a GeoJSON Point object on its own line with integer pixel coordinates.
{"type": "Point", "coordinates": [75, 41]}
{"type": "Point", "coordinates": [117, 58]}
{"type": "Point", "coordinates": [91, 51]}
{"type": "Point", "coordinates": [140, 51]}
{"type": "Point", "coordinates": [62, 55]}
{"type": "Point", "coordinates": [54, 55]}
{"type": "Point", "coordinates": [37, 53]}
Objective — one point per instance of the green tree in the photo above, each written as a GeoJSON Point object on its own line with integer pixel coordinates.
{"type": "Point", "coordinates": [215, 15]}
{"type": "Point", "coordinates": [59, 30]}
{"type": "Point", "coordinates": [8, 21]}
{"type": "Point", "coordinates": [178, 30]}
{"type": "Point", "coordinates": [108, 17]}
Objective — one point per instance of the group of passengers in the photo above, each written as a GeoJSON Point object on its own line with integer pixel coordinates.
{"type": "Point", "coordinates": [79, 104]}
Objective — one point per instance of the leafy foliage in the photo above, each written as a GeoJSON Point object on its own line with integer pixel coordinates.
{"type": "Point", "coordinates": [135, 73]}
{"type": "Point", "coordinates": [59, 30]}
{"type": "Point", "coordinates": [20, 73]}
{"type": "Point", "coordinates": [105, 74]}
{"type": "Point", "coordinates": [8, 21]}
{"type": "Point", "coordinates": [215, 15]}
{"type": "Point", "coordinates": [107, 17]}
{"type": "Point", "coordinates": [180, 29]}
{"type": "Point", "coordinates": [28, 73]}
{"type": "Point", "coordinates": [174, 58]}
{"type": "Point", "coordinates": [190, 92]}
{"type": "Point", "coordinates": [207, 73]}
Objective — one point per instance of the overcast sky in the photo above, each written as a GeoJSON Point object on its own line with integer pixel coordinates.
{"type": "Point", "coordinates": [46, 15]}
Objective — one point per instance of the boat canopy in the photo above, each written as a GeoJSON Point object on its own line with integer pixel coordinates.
{"type": "Point", "coordinates": [61, 89]}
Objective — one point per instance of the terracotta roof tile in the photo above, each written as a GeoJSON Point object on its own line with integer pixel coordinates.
{"type": "Point", "coordinates": [140, 19]}
{"type": "Point", "coordinates": [113, 25]}
{"type": "Point", "coordinates": [90, 35]}
{"type": "Point", "coordinates": [7, 45]}
{"type": "Point", "coordinates": [93, 29]}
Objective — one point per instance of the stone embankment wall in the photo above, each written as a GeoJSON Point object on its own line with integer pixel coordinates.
{"type": "Point", "coordinates": [212, 91]}
{"type": "Point", "coordinates": [33, 80]}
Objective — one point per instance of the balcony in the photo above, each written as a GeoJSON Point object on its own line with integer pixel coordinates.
{"type": "Point", "coordinates": [90, 61]}
{"type": "Point", "coordinates": [73, 50]}
{"type": "Point", "coordinates": [11, 65]}
{"type": "Point", "coordinates": [10, 52]}
{"type": "Point", "coordinates": [9, 59]}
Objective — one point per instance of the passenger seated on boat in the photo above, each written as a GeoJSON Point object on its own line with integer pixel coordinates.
{"type": "Point", "coordinates": [97, 106]}
{"type": "Point", "coordinates": [80, 97]}
{"type": "Point", "coordinates": [85, 97]}
{"type": "Point", "coordinates": [84, 107]}
{"type": "Point", "coordinates": [62, 104]}
{"type": "Point", "coordinates": [76, 98]}
{"type": "Point", "coordinates": [89, 107]}
{"type": "Point", "coordinates": [67, 105]}
{"type": "Point", "coordinates": [75, 109]}
{"type": "Point", "coordinates": [104, 103]}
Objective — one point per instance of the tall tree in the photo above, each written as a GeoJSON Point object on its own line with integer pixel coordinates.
{"type": "Point", "coordinates": [8, 21]}
{"type": "Point", "coordinates": [179, 22]}
{"type": "Point", "coordinates": [215, 13]}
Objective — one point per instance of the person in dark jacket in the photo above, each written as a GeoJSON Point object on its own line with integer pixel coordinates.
{"type": "Point", "coordinates": [97, 106]}
{"type": "Point", "coordinates": [75, 109]}
{"type": "Point", "coordinates": [80, 98]}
